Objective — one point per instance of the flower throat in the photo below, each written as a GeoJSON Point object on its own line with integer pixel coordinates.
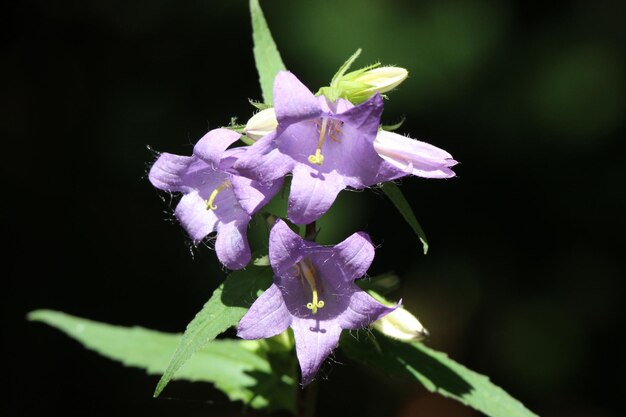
{"type": "Point", "coordinates": [307, 271]}
{"type": "Point", "coordinates": [333, 130]}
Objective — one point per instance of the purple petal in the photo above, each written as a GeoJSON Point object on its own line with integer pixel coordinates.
{"type": "Point", "coordinates": [267, 317]}
{"type": "Point", "coordinates": [355, 255]}
{"type": "Point", "coordinates": [413, 156]}
{"type": "Point", "coordinates": [212, 145]}
{"type": "Point", "coordinates": [365, 116]}
{"type": "Point", "coordinates": [293, 102]}
{"type": "Point", "coordinates": [312, 193]}
{"type": "Point", "coordinates": [194, 217]}
{"type": "Point", "coordinates": [252, 195]}
{"type": "Point", "coordinates": [286, 248]}
{"type": "Point", "coordinates": [362, 310]}
{"type": "Point", "coordinates": [169, 171]}
{"type": "Point", "coordinates": [353, 156]}
{"type": "Point", "coordinates": [263, 161]}
{"type": "Point", "coordinates": [332, 108]}
{"type": "Point", "coordinates": [315, 340]}
{"type": "Point", "coordinates": [231, 244]}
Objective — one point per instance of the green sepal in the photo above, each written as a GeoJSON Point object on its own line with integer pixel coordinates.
{"type": "Point", "coordinates": [333, 91]}
{"type": "Point", "coordinates": [395, 126]}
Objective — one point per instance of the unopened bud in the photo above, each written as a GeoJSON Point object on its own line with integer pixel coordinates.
{"type": "Point", "coordinates": [401, 325]}
{"type": "Point", "coordinates": [358, 86]}
{"type": "Point", "coordinates": [381, 79]}
{"type": "Point", "coordinates": [261, 124]}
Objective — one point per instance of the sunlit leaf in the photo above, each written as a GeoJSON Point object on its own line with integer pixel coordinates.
{"type": "Point", "coordinates": [240, 369]}
{"type": "Point", "coordinates": [224, 309]}
{"type": "Point", "coordinates": [266, 55]}
{"type": "Point", "coordinates": [436, 371]}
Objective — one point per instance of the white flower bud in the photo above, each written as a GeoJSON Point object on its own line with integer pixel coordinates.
{"type": "Point", "coordinates": [382, 79]}
{"type": "Point", "coordinates": [261, 124]}
{"type": "Point", "coordinates": [401, 325]}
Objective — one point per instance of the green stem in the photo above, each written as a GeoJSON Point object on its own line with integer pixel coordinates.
{"type": "Point", "coordinates": [308, 400]}
{"type": "Point", "coordinates": [310, 232]}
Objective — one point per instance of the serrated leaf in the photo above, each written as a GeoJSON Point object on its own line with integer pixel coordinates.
{"type": "Point", "coordinates": [266, 55]}
{"type": "Point", "coordinates": [393, 192]}
{"type": "Point", "coordinates": [225, 308]}
{"type": "Point", "coordinates": [436, 371]}
{"type": "Point", "coordinates": [240, 369]}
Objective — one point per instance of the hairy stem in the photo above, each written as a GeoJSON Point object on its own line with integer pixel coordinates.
{"type": "Point", "coordinates": [308, 400]}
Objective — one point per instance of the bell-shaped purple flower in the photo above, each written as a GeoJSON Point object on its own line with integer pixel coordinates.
{"type": "Point", "coordinates": [214, 199]}
{"type": "Point", "coordinates": [328, 146]}
{"type": "Point", "coordinates": [414, 157]}
{"type": "Point", "coordinates": [313, 293]}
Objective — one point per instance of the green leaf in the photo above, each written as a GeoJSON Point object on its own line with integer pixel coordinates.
{"type": "Point", "coordinates": [240, 369]}
{"type": "Point", "coordinates": [393, 192]}
{"type": "Point", "coordinates": [436, 371]}
{"type": "Point", "coordinates": [225, 308]}
{"type": "Point", "coordinates": [382, 283]}
{"type": "Point", "coordinates": [266, 55]}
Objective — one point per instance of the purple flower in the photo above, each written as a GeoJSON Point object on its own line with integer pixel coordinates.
{"type": "Point", "coordinates": [327, 146]}
{"type": "Point", "coordinates": [214, 199]}
{"type": "Point", "coordinates": [313, 293]}
{"type": "Point", "coordinates": [413, 156]}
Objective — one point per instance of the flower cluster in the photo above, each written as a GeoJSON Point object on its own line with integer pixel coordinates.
{"type": "Point", "coordinates": [327, 144]}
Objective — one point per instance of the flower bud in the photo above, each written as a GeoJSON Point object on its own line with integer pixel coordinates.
{"type": "Point", "coordinates": [401, 325]}
{"type": "Point", "coordinates": [261, 124]}
{"type": "Point", "coordinates": [358, 86]}
{"type": "Point", "coordinates": [381, 79]}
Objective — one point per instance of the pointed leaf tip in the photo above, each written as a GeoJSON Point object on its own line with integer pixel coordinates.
{"type": "Point", "coordinates": [266, 56]}
{"type": "Point", "coordinates": [393, 192]}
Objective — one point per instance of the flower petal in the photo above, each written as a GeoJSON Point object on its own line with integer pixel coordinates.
{"type": "Point", "coordinates": [293, 102]}
{"type": "Point", "coordinates": [413, 156]}
{"type": "Point", "coordinates": [212, 145]}
{"type": "Point", "coordinates": [267, 317]}
{"type": "Point", "coordinates": [362, 310]}
{"type": "Point", "coordinates": [194, 217]}
{"type": "Point", "coordinates": [252, 195]}
{"type": "Point", "coordinates": [286, 248]}
{"type": "Point", "coordinates": [231, 244]}
{"type": "Point", "coordinates": [312, 193]}
{"type": "Point", "coordinates": [169, 171]}
{"type": "Point", "coordinates": [355, 255]}
{"type": "Point", "coordinates": [263, 161]}
{"type": "Point", "coordinates": [365, 116]}
{"type": "Point", "coordinates": [315, 340]}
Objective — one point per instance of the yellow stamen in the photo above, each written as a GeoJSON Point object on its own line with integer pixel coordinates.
{"type": "Point", "coordinates": [318, 158]}
{"type": "Point", "coordinates": [309, 275]}
{"type": "Point", "coordinates": [209, 202]}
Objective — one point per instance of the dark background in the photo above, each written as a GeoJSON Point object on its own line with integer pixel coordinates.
{"type": "Point", "coordinates": [524, 278]}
